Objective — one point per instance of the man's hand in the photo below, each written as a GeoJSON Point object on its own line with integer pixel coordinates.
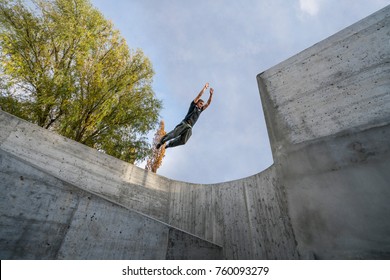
{"type": "Point", "coordinates": [211, 91]}
{"type": "Point", "coordinates": [206, 86]}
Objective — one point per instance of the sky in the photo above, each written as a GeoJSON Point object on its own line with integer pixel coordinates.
{"type": "Point", "coordinates": [226, 43]}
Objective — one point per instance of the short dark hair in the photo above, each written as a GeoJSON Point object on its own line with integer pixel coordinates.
{"type": "Point", "coordinates": [200, 100]}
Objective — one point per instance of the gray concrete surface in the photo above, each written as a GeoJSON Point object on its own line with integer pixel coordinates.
{"type": "Point", "coordinates": [326, 196]}
{"type": "Point", "coordinates": [336, 85]}
{"type": "Point", "coordinates": [85, 168]}
{"type": "Point", "coordinates": [246, 217]}
{"type": "Point", "coordinates": [43, 217]}
{"type": "Point", "coordinates": [328, 116]}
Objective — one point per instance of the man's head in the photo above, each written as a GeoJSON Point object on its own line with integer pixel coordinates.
{"type": "Point", "coordinates": [200, 103]}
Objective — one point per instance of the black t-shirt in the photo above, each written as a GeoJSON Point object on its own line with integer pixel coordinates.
{"type": "Point", "coordinates": [193, 114]}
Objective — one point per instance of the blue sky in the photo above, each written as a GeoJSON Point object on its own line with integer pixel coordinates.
{"type": "Point", "coordinates": [226, 43]}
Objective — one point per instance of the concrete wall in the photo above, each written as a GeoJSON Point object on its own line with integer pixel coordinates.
{"type": "Point", "coordinates": [43, 217]}
{"type": "Point", "coordinates": [336, 85]}
{"type": "Point", "coordinates": [328, 116]}
{"type": "Point", "coordinates": [86, 168]}
{"type": "Point", "coordinates": [247, 217]}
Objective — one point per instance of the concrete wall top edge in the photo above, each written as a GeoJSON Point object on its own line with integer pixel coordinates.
{"type": "Point", "coordinates": [349, 30]}
{"type": "Point", "coordinates": [86, 168]}
{"type": "Point", "coordinates": [31, 143]}
{"type": "Point", "coordinates": [339, 84]}
{"type": "Point", "coordinates": [223, 183]}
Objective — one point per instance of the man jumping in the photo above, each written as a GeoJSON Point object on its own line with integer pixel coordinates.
{"type": "Point", "coordinates": [183, 131]}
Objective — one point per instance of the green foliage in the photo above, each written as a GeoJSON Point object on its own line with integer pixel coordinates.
{"type": "Point", "coordinates": [65, 68]}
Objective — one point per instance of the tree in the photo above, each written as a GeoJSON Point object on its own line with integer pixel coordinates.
{"type": "Point", "coordinates": [65, 68]}
{"type": "Point", "coordinates": [155, 160]}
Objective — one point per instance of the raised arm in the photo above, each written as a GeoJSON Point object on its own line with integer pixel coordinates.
{"type": "Point", "coordinates": [201, 93]}
{"type": "Point", "coordinates": [210, 98]}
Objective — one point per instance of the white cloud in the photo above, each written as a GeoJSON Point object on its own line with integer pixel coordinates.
{"type": "Point", "coordinates": [311, 7]}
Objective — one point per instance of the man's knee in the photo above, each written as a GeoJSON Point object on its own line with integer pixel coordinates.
{"type": "Point", "coordinates": [186, 136]}
{"type": "Point", "coordinates": [184, 140]}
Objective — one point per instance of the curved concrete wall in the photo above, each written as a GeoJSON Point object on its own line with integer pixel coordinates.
{"type": "Point", "coordinates": [43, 217]}
{"type": "Point", "coordinates": [328, 116]}
{"type": "Point", "coordinates": [247, 217]}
